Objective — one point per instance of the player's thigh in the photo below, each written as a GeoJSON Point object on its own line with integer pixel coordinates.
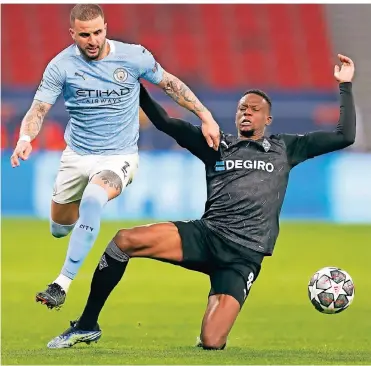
{"type": "Point", "coordinates": [178, 242]}
{"type": "Point", "coordinates": [159, 241]}
{"type": "Point", "coordinates": [235, 280]}
{"type": "Point", "coordinates": [69, 185]}
{"type": "Point", "coordinates": [114, 173]}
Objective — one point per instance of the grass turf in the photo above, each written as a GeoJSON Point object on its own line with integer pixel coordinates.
{"type": "Point", "coordinates": [154, 315]}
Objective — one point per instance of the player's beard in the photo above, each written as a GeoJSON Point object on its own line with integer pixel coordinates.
{"type": "Point", "coordinates": [247, 134]}
{"type": "Point", "coordinates": [101, 48]}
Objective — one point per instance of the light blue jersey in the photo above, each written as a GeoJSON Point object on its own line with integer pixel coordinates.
{"type": "Point", "coordinates": [101, 97]}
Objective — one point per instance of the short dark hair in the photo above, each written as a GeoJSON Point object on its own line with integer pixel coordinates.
{"type": "Point", "coordinates": [85, 12]}
{"type": "Point", "coordinates": [262, 94]}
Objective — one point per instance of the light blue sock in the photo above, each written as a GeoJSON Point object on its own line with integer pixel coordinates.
{"type": "Point", "coordinates": [86, 229]}
{"type": "Point", "coordinates": [60, 231]}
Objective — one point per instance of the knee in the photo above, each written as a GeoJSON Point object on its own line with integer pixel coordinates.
{"type": "Point", "coordinates": [125, 240]}
{"type": "Point", "coordinates": [213, 341]}
{"type": "Point", "coordinates": [60, 231]}
{"type": "Point", "coordinates": [93, 198]}
{"type": "Point", "coordinates": [90, 203]}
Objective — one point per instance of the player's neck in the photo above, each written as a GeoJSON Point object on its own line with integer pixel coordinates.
{"type": "Point", "coordinates": [106, 51]}
{"type": "Point", "coordinates": [254, 137]}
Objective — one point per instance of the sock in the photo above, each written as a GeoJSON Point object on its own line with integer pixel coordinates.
{"type": "Point", "coordinates": [107, 275]}
{"type": "Point", "coordinates": [60, 231]}
{"type": "Point", "coordinates": [64, 282]}
{"type": "Point", "coordinates": [200, 344]}
{"type": "Point", "coordinates": [86, 230]}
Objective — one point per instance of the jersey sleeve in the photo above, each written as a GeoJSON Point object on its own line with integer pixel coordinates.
{"type": "Point", "coordinates": [186, 134]}
{"type": "Point", "coordinates": [51, 85]}
{"type": "Point", "coordinates": [149, 68]}
{"type": "Point", "coordinates": [302, 147]}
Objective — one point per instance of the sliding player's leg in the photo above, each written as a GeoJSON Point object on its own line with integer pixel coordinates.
{"type": "Point", "coordinates": [230, 286]}
{"type": "Point", "coordinates": [163, 241]}
{"type": "Point", "coordinates": [222, 309]}
{"type": "Point", "coordinates": [159, 241]}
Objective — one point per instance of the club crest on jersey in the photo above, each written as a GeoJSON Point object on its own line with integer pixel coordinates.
{"type": "Point", "coordinates": [120, 75]}
{"type": "Point", "coordinates": [266, 145]}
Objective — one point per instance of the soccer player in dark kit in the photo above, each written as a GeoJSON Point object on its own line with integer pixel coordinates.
{"type": "Point", "coordinates": [246, 183]}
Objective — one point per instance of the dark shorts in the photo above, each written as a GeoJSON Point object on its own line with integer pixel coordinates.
{"type": "Point", "coordinates": [231, 267]}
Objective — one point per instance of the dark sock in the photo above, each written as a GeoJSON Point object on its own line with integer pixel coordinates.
{"type": "Point", "coordinates": [213, 348]}
{"type": "Point", "coordinates": [107, 275]}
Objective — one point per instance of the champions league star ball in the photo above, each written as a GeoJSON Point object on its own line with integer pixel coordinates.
{"type": "Point", "coordinates": [331, 290]}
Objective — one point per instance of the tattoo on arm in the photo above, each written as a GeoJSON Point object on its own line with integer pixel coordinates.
{"type": "Point", "coordinates": [181, 93]}
{"type": "Point", "coordinates": [34, 118]}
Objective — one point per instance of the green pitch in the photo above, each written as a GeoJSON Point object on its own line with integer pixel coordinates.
{"type": "Point", "coordinates": [154, 315]}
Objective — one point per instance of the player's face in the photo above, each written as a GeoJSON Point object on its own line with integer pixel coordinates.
{"type": "Point", "coordinates": [90, 37]}
{"type": "Point", "coordinates": [252, 115]}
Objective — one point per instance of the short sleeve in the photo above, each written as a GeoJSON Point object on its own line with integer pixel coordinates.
{"type": "Point", "coordinates": [149, 68]}
{"type": "Point", "coordinates": [51, 85]}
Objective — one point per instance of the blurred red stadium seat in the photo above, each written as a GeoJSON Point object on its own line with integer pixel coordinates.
{"type": "Point", "coordinates": [52, 136]}
{"type": "Point", "coordinates": [227, 45]}
{"type": "Point", "coordinates": [224, 47]}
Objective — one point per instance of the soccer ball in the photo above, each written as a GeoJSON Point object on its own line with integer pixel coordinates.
{"type": "Point", "coordinates": [331, 290]}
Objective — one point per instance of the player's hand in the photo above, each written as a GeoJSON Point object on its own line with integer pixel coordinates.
{"type": "Point", "coordinates": [345, 72]}
{"type": "Point", "coordinates": [211, 132]}
{"type": "Point", "coordinates": [22, 151]}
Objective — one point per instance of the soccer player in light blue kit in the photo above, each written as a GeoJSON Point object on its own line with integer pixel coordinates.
{"type": "Point", "coordinates": [99, 80]}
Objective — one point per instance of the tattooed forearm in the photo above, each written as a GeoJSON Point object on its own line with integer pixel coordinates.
{"type": "Point", "coordinates": [181, 93]}
{"type": "Point", "coordinates": [34, 119]}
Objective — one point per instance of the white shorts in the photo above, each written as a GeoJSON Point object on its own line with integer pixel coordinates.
{"type": "Point", "coordinates": [76, 170]}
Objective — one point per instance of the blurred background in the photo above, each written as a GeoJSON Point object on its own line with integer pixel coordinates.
{"type": "Point", "coordinates": [220, 51]}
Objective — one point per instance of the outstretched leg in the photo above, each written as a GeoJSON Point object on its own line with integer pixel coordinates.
{"type": "Point", "coordinates": [157, 241]}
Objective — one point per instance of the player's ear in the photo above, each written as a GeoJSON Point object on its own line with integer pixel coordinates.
{"type": "Point", "coordinates": [72, 33]}
{"type": "Point", "coordinates": [269, 120]}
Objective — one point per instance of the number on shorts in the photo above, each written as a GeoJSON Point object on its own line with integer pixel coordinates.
{"type": "Point", "coordinates": [250, 280]}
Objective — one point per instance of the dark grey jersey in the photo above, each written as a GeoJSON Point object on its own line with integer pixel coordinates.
{"type": "Point", "coordinates": [245, 190]}
{"type": "Point", "coordinates": [247, 179]}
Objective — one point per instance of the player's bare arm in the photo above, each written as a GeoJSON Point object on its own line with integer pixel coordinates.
{"type": "Point", "coordinates": [184, 96]}
{"type": "Point", "coordinates": [34, 118]}
{"type": "Point", "coordinates": [30, 128]}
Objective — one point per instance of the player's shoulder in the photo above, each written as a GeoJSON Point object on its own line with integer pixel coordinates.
{"type": "Point", "coordinates": [64, 56]}
{"type": "Point", "coordinates": [227, 138]}
{"type": "Point", "coordinates": [287, 139]}
{"type": "Point", "coordinates": [128, 49]}
{"type": "Point", "coordinates": [278, 139]}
